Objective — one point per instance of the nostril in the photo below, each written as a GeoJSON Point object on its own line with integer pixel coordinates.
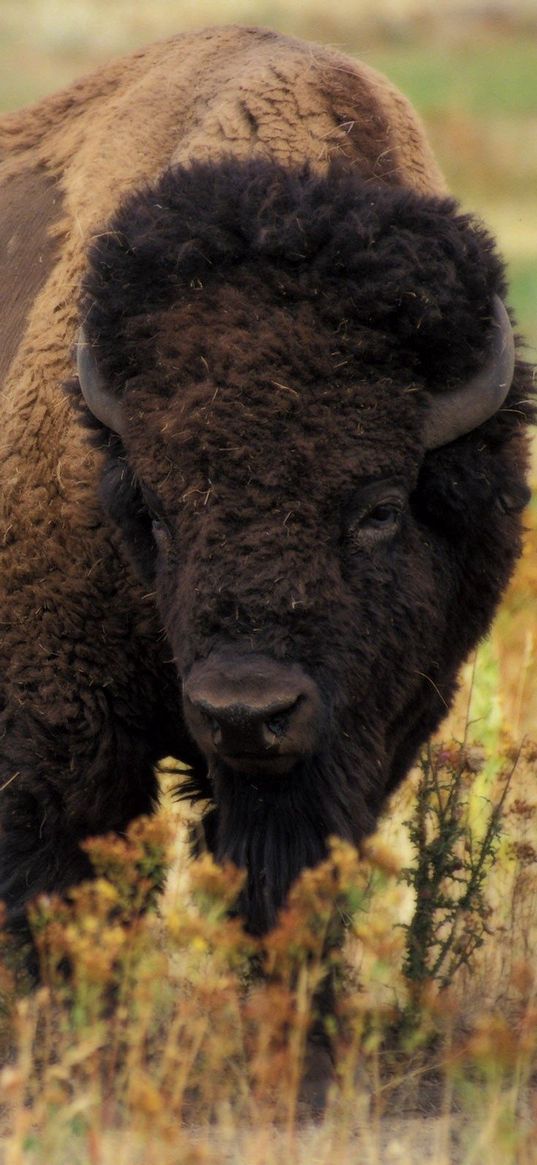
{"type": "Point", "coordinates": [278, 725]}
{"type": "Point", "coordinates": [212, 722]}
{"type": "Point", "coordinates": [216, 729]}
{"type": "Point", "coordinates": [281, 718]}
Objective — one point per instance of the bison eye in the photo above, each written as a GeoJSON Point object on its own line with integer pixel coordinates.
{"type": "Point", "coordinates": [376, 523]}
{"type": "Point", "coordinates": [381, 517]}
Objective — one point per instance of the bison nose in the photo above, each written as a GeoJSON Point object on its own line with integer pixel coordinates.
{"type": "Point", "coordinates": [247, 728]}
{"type": "Point", "coordinates": [254, 713]}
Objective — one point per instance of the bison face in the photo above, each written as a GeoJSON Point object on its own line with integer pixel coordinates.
{"type": "Point", "coordinates": [263, 344]}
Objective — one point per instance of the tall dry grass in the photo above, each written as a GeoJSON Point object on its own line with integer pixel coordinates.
{"type": "Point", "coordinates": [154, 1037]}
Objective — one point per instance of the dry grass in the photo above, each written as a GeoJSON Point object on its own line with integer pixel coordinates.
{"type": "Point", "coordinates": [162, 1044]}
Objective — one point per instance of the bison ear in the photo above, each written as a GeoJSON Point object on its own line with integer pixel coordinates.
{"type": "Point", "coordinates": [122, 499]}
{"type": "Point", "coordinates": [513, 499]}
{"type": "Point", "coordinates": [452, 414]}
{"type": "Point", "coordinates": [100, 401]}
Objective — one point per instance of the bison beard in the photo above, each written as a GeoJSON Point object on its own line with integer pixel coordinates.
{"type": "Point", "coordinates": [275, 832]}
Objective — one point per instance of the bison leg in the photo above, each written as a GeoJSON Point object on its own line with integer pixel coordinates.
{"type": "Point", "coordinates": [59, 785]}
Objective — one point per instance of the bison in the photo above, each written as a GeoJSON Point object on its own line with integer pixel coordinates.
{"type": "Point", "coordinates": [277, 505]}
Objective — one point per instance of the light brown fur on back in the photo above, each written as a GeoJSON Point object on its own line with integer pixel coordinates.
{"type": "Point", "coordinates": [26, 256]}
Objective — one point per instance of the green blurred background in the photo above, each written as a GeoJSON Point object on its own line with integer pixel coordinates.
{"type": "Point", "coordinates": [469, 66]}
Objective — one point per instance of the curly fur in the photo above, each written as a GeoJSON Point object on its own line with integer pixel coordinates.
{"type": "Point", "coordinates": [260, 323]}
{"type": "Point", "coordinates": [412, 268]}
{"type": "Point", "coordinates": [275, 310]}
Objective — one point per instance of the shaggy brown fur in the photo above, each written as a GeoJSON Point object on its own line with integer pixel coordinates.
{"type": "Point", "coordinates": [89, 691]}
{"type": "Point", "coordinates": [270, 333]}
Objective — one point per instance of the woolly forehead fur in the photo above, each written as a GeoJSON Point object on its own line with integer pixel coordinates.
{"type": "Point", "coordinates": [411, 269]}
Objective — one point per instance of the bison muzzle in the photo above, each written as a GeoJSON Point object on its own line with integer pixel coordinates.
{"type": "Point", "coordinates": [255, 714]}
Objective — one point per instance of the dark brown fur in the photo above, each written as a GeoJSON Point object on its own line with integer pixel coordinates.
{"type": "Point", "coordinates": [276, 332]}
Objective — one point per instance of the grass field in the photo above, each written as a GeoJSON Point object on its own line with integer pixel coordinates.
{"type": "Point", "coordinates": [163, 1048]}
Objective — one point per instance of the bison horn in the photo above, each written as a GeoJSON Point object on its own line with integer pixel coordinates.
{"type": "Point", "coordinates": [100, 401]}
{"type": "Point", "coordinates": [458, 412]}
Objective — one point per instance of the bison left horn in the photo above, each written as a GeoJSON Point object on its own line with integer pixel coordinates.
{"type": "Point", "coordinates": [100, 401]}
{"type": "Point", "coordinates": [454, 413]}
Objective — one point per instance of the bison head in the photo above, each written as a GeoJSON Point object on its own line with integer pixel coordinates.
{"type": "Point", "coordinates": [298, 380]}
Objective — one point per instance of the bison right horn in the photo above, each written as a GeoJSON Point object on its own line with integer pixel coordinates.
{"type": "Point", "coordinates": [452, 414]}
{"type": "Point", "coordinates": [100, 401]}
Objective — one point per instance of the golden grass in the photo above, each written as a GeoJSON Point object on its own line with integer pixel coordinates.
{"type": "Point", "coordinates": [161, 1044]}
